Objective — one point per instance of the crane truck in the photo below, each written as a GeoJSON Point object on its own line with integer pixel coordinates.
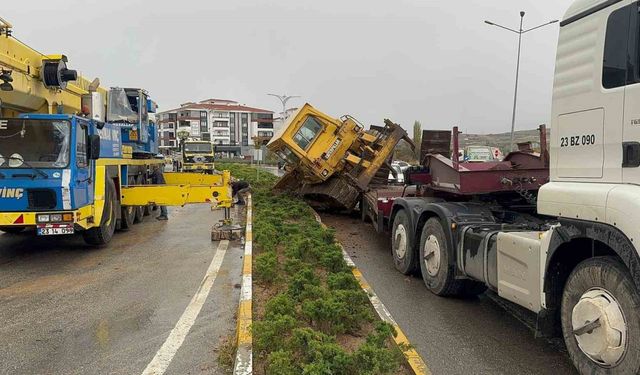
{"type": "Point", "coordinates": [555, 232]}
{"type": "Point", "coordinates": [76, 157]}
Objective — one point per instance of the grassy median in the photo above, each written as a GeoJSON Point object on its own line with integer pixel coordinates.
{"type": "Point", "coordinates": [310, 315]}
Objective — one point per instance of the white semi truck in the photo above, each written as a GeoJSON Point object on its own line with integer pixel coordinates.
{"type": "Point", "coordinates": [568, 250]}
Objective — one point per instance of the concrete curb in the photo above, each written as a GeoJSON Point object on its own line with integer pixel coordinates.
{"type": "Point", "coordinates": [244, 357]}
{"type": "Point", "coordinates": [415, 362]}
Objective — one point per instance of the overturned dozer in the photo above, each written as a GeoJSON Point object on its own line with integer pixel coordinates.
{"type": "Point", "coordinates": [330, 162]}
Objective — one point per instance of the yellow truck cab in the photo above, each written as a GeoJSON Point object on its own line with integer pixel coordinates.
{"type": "Point", "coordinates": [198, 156]}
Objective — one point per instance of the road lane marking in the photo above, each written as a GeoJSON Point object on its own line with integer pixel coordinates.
{"type": "Point", "coordinates": [415, 361]}
{"type": "Point", "coordinates": [244, 358]}
{"type": "Point", "coordinates": [163, 357]}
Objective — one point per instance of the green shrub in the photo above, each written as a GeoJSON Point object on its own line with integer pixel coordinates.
{"type": "Point", "coordinates": [282, 304]}
{"type": "Point", "coordinates": [285, 230]}
{"type": "Point", "coordinates": [292, 265]}
{"type": "Point", "coordinates": [301, 281]}
{"type": "Point", "coordinates": [266, 267]}
{"type": "Point", "coordinates": [339, 312]}
{"type": "Point", "coordinates": [332, 259]}
{"type": "Point", "coordinates": [271, 334]}
{"type": "Point", "coordinates": [320, 353]}
{"type": "Point", "coordinates": [342, 281]}
{"type": "Point", "coordinates": [281, 362]}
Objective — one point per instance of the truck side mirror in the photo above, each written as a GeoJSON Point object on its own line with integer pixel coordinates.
{"type": "Point", "coordinates": [94, 147]}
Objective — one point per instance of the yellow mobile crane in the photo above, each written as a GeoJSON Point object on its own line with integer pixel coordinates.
{"type": "Point", "coordinates": [331, 162]}
{"type": "Point", "coordinates": [71, 163]}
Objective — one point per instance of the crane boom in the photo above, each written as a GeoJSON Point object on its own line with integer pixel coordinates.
{"type": "Point", "coordinates": [30, 92]}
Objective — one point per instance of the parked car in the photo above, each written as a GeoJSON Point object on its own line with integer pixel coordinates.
{"type": "Point", "coordinates": [402, 164]}
{"type": "Point", "coordinates": [399, 174]}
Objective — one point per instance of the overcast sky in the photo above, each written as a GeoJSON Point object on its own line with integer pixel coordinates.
{"type": "Point", "coordinates": [433, 61]}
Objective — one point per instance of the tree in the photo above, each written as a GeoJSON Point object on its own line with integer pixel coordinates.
{"type": "Point", "coordinates": [417, 137]}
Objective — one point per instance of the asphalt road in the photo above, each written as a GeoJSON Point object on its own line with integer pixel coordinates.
{"type": "Point", "coordinates": [453, 336]}
{"type": "Point", "coordinates": [66, 308]}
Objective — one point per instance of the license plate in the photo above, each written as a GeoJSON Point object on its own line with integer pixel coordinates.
{"type": "Point", "coordinates": [54, 230]}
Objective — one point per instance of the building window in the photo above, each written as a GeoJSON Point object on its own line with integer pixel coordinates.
{"type": "Point", "coordinates": [244, 122]}
{"type": "Point", "coordinates": [232, 128]}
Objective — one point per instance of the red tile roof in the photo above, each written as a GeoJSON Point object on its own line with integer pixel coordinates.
{"type": "Point", "coordinates": [218, 100]}
{"type": "Point", "coordinates": [220, 107]}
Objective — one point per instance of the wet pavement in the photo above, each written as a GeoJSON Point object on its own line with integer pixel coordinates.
{"type": "Point", "coordinates": [70, 309]}
{"type": "Point", "coordinates": [453, 336]}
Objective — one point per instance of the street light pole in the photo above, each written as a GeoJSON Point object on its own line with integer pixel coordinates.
{"type": "Point", "coordinates": [520, 31]}
{"type": "Point", "coordinates": [284, 99]}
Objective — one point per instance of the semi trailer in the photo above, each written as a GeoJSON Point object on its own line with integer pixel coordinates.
{"type": "Point", "coordinates": [556, 234]}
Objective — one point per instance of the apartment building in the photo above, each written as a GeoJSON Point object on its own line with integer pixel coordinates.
{"type": "Point", "coordinates": [224, 122]}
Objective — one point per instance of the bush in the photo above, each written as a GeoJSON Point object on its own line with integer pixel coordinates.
{"type": "Point", "coordinates": [373, 357]}
{"type": "Point", "coordinates": [332, 259]}
{"type": "Point", "coordinates": [341, 311]}
{"type": "Point", "coordinates": [282, 304]}
{"type": "Point", "coordinates": [297, 251]}
{"type": "Point", "coordinates": [266, 267]}
{"type": "Point", "coordinates": [271, 334]}
{"type": "Point", "coordinates": [342, 281]}
{"type": "Point", "coordinates": [302, 281]}
{"type": "Point", "coordinates": [281, 362]}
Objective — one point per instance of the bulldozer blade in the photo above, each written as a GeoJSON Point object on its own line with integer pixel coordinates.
{"type": "Point", "coordinates": [394, 133]}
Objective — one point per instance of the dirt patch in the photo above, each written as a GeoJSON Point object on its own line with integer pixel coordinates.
{"type": "Point", "coordinates": [47, 284]}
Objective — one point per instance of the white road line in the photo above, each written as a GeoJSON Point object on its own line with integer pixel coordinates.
{"type": "Point", "coordinates": [163, 357]}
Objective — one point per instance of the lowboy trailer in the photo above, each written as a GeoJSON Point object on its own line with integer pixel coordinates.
{"type": "Point", "coordinates": [564, 247]}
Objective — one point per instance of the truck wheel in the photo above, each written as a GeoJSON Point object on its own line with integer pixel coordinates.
{"type": "Point", "coordinates": [139, 210]}
{"type": "Point", "coordinates": [11, 229]}
{"type": "Point", "coordinates": [437, 271]}
{"type": "Point", "coordinates": [102, 235]}
{"type": "Point", "coordinates": [148, 208]}
{"type": "Point", "coordinates": [600, 318]}
{"type": "Point", "coordinates": [404, 258]}
{"type": "Point", "coordinates": [128, 213]}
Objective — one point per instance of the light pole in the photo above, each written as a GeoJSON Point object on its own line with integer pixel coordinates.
{"type": "Point", "coordinates": [284, 99]}
{"type": "Point", "coordinates": [520, 31]}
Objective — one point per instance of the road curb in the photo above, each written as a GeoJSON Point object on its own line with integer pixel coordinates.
{"type": "Point", "coordinates": [244, 358]}
{"type": "Point", "coordinates": [414, 360]}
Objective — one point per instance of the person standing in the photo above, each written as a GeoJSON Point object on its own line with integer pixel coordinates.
{"type": "Point", "coordinates": [239, 190]}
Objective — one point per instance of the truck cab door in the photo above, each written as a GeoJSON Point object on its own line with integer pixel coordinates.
{"type": "Point", "coordinates": [631, 126]}
{"type": "Point", "coordinates": [83, 183]}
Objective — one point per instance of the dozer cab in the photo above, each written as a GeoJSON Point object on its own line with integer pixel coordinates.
{"type": "Point", "coordinates": [330, 162]}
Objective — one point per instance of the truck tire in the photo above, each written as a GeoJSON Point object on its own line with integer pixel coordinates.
{"type": "Point", "coordinates": [102, 235]}
{"type": "Point", "coordinates": [438, 272]}
{"type": "Point", "coordinates": [127, 214]}
{"type": "Point", "coordinates": [404, 258]}
{"type": "Point", "coordinates": [139, 210]}
{"type": "Point", "coordinates": [11, 229]}
{"type": "Point", "coordinates": [148, 208]}
{"type": "Point", "coordinates": [600, 318]}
